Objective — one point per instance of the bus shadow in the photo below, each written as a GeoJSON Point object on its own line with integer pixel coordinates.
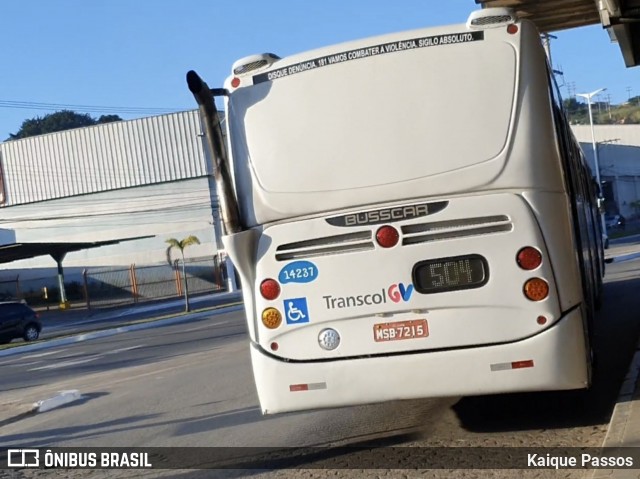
{"type": "Point", "coordinates": [616, 334]}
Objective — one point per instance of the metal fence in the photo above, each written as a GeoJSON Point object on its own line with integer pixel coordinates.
{"type": "Point", "coordinates": [101, 287]}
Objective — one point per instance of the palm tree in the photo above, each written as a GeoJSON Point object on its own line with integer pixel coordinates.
{"type": "Point", "coordinates": [181, 245]}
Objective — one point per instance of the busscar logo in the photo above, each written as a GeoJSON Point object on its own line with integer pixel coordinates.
{"type": "Point", "coordinates": [387, 215]}
{"type": "Point", "coordinates": [23, 458]}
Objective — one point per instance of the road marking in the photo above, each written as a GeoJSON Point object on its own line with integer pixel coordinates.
{"type": "Point", "coordinates": [21, 364]}
{"type": "Point", "coordinates": [206, 326]}
{"type": "Point", "coordinates": [39, 355]}
{"type": "Point", "coordinates": [195, 329]}
{"type": "Point", "coordinates": [64, 364]}
{"type": "Point", "coordinates": [74, 362]}
{"type": "Point", "coordinates": [121, 350]}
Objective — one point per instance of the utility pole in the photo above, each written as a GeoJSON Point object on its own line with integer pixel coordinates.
{"type": "Point", "coordinates": [546, 43]}
{"type": "Point", "coordinates": [589, 98]}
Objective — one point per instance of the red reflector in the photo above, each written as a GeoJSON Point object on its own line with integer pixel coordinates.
{"type": "Point", "coordinates": [512, 29]}
{"type": "Point", "coordinates": [529, 258]}
{"type": "Point", "coordinates": [387, 236]}
{"type": "Point", "coordinates": [298, 387]}
{"type": "Point", "coordinates": [269, 289]}
{"type": "Point", "coordinates": [522, 364]}
{"type": "Point", "coordinates": [235, 83]}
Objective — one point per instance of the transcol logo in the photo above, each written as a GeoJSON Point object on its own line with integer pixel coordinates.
{"type": "Point", "coordinates": [395, 292]}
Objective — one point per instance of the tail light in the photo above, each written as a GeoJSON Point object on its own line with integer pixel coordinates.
{"type": "Point", "coordinates": [529, 258]}
{"type": "Point", "coordinates": [270, 289]}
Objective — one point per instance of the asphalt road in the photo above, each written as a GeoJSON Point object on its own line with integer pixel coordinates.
{"type": "Point", "coordinates": [118, 351]}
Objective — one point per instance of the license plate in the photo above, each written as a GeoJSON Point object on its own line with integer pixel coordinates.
{"type": "Point", "coordinates": [397, 330]}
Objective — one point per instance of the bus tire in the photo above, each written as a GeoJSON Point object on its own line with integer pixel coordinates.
{"type": "Point", "coordinates": [598, 299]}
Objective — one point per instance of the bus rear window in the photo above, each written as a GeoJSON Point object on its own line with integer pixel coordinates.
{"type": "Point", "coordinates": [379, 120]}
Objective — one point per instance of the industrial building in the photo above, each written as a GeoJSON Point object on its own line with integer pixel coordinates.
{"type": "Point", "coordinates": [105, 195]}
{"type": "Point", "coordinates": [618, 148]}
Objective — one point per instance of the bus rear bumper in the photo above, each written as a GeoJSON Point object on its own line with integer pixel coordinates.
{"type": "Point", "coordinates": [555, 359]}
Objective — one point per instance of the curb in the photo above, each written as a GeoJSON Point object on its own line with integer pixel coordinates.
{"type": "Point", "coordinates": [24, 411]}
{"type": "Point", "coordinates": [621, 418]}
{"type": "Point", "coordinates": [60, 399]}
{"type": "Point", "coordinates": [120, 329]}
{"type": "Point", "coordinates": [622, 409]}
{"type": "Point", "coordinates": [622, 257]}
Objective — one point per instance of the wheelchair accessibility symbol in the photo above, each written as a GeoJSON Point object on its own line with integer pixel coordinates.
{"type": "Point", "coordinates": [296, 310]}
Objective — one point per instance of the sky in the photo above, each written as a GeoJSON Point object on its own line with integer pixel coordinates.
{"type": "Point", "coordinates": [130, 57]}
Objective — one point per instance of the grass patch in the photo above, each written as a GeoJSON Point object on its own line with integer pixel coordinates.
{"type": "Point", "coordinates": [623, 233]}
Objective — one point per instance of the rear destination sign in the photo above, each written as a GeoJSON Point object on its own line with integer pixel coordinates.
{"type": "Point", "coordinates": [374, 50]}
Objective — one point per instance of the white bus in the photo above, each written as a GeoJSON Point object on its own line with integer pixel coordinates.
{"type": "Point", "coordinates": [410, 216]}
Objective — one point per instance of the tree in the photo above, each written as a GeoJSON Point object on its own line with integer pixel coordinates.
{"type": "Point", "coordinates": [634, 100]}
{"type": "Point", "coordinates": [181, 245]}
{"type": "Point", "coordinates": [107, 119]}
{"type": "Point", "coordinates": [572, 105]}
{"type": "Point", "coordinates": [59, 121]}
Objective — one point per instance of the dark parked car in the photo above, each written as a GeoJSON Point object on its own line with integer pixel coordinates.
{"type": "Point", "coordinates": [18, 320]}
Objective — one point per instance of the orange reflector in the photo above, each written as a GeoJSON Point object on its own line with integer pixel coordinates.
{"type": "Point", "coordinates": [529, 258]}
{"type": "Point", "coordinates": [536, 289]}
{"type": "Point", "coordinates": [271, 318]}
{"type": "Point", "coordinates": [522, 364]}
